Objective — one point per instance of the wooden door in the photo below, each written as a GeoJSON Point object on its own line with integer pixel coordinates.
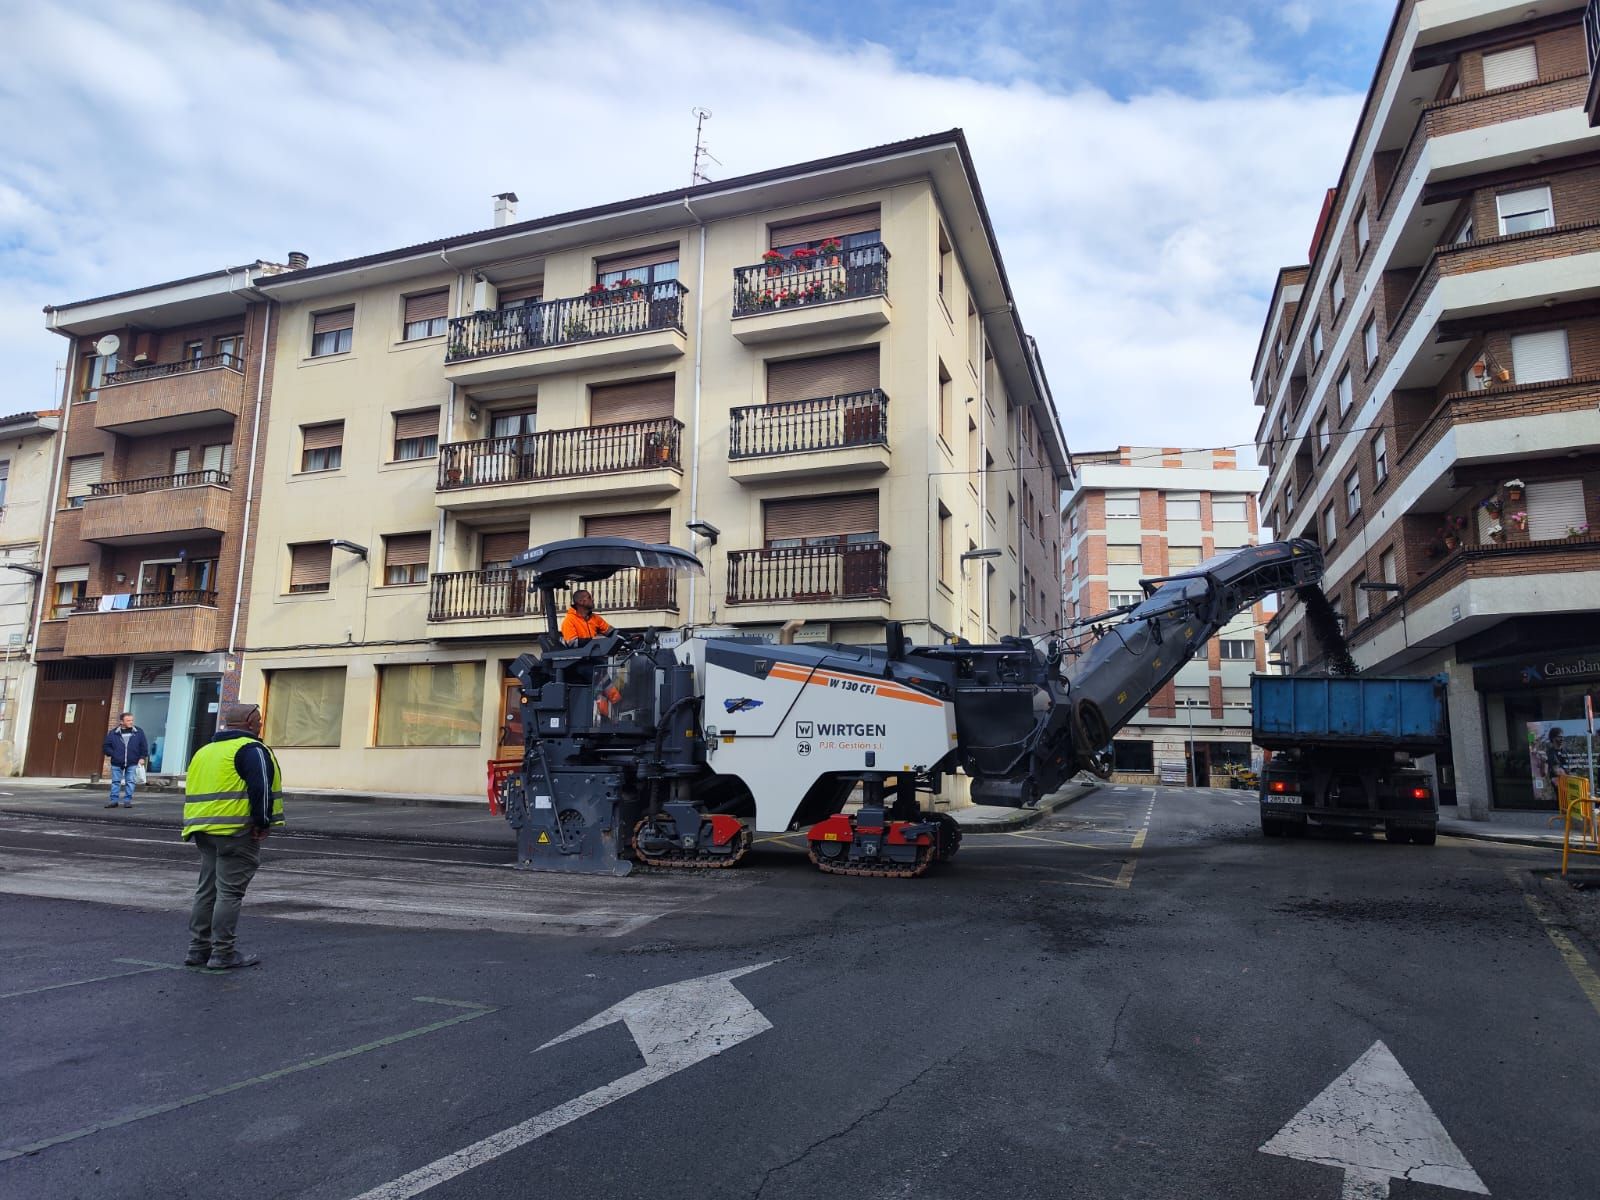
{"type": "Point", "coordinates": [67, 735]}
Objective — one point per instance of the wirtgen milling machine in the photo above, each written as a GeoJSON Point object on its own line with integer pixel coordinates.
{"type": "Point", "coordinates": [676, 754]}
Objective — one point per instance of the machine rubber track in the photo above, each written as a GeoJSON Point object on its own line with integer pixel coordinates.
{"type": "Point", "coordinates": [702, 860]}
{"type": "Point", "coordinates": [877, 870]}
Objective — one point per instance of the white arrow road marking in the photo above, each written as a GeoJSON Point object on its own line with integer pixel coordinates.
{"type": "Point", "coordinates": [1374, 1124]}
{"type": "Point", "coordinates": [675, 1026]}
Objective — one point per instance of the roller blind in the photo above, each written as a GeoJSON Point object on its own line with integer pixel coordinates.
{"type": "Point", "coordinates": [429, 306]}
{"type": "Point", "coordinates": [814, 229]}
{"type": "Point", "coordinates": [1506, 67]}
{"type": "Point", "coordinates": [641, 400]}
{"type": "Point", "coordinates": [824, 375]}
{"type": "Point", "coordinates": [523, 291]}
{"type": "Point", "coordinates": [636, 260]}
{"type": "Point", "coordinates": [405, 549]}
{"type": "Point", "coordinates": [1538, 357]}
{"type": "Point", "coordinates": [1554, 506]}
{"type": "Point", "coordinates": [81, 472]}
{"type": "Point", "coordinates": [324, 437]}
{"type": "Point", "coordinates": [423, 423]}
{"type": "Point", "coordinates": [328, 322]}
{"type": "Point", "coordinates": [821, 516]}
{"type": "Point", "coordinates": [72, 574]}
{"type": "Point", "coordinates": [310, 565]}
{"type": "Point", "coordinates": [503, 547]}
{"type": "Point", "coordinates": [652, 527]}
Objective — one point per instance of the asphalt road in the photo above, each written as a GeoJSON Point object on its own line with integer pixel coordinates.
{"type": "Point", "coordinates": [1128, 1000]}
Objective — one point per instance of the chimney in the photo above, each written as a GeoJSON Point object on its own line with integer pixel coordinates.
{"type": "Point", "coordinates": [505, 208]}
{"type": "Point", "coordinates": [298, 260]}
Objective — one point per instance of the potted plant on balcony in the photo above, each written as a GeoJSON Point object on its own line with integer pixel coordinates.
{"type": "Point", "coordinates": [774, 261]}
{"type": "Point", "coordinates": [803, 256]}
{"type": "Point", "coordinates": [831, 248]}
{"type": "Point", "coordinates": [1494, 506]}
{"type": "Point", "coordinates": [1513, 489]}
{"type": "Point", "coordinates": [1578, 530]}
{"type": "Point", "coordinates": [1450, 532]}
{"type": "Point", "coordinates": [1497, 532]}
{"type": "Point", "coordinates": [575, 330]}
{"type": "Point", "coordinates": [1519, 520]}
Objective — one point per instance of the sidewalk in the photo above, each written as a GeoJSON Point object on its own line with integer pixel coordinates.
{"type": "Point", "coordinates": [1515, 828]}
{"type": "Point", "coordinates": [992, 818]}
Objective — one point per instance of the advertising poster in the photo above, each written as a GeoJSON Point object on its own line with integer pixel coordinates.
{"type": "Point", "coordinates": [1558, 748]}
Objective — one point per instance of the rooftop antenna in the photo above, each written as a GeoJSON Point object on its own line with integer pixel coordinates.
{"type": "Point", "coordinates": [701, 154]}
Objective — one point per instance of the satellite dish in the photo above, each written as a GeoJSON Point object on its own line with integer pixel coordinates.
{"type": "Point", "coordinates": [108, 345]}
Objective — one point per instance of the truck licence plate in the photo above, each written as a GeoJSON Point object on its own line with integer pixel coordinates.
{"type": "Point", "coordinates": [1272, 799]}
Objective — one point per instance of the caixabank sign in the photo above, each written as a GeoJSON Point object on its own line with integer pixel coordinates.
{"type": "Point", "coordinates": [1544, 670]}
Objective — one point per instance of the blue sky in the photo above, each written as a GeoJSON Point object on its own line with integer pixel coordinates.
{"type": "Point", "coordinates": [1149, 165]}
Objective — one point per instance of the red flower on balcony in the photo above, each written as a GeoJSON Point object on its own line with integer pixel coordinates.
{"type": "Point", "coordinates": [830, 245]}
{"type": "Point", "coordinates": [772, 256]}
{"type": "Point", "coordinates": [804, 253]}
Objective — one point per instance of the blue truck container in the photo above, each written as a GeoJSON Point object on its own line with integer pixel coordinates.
{"type": "Point", "coordinates": [1402, 714]}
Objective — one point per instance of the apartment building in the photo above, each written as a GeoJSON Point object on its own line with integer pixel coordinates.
{"type": "Point", "coordinates": [149, 508]}
{"type": "Point", "coordinates": [1429, 385]}
{"type": "Point", "coordinates": [819, 367]}
{"type": "Point", "coordinates": [27, 442]}
{"type": "Point", "coordinates": [1142, 512]}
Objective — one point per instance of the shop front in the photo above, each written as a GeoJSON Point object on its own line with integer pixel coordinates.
{"type": "Point", "coordinates": [175, 701]}
{"type": "Point", "coordinates": [1536, 723]}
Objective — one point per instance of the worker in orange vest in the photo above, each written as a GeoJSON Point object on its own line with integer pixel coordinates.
{"type": "Point", "coordinates": [581, 621]}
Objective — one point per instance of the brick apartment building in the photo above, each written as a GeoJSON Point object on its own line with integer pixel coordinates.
{"type": "Point", "coordinates": [149, 512]}
{"type": "Point", "coordinates": [1139, 512]}
{"type": "Point", "coordinates": [1429, 384]}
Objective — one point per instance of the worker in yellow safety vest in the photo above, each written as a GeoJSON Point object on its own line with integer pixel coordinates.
{"type": "Point", "coordinates": [233, 798]}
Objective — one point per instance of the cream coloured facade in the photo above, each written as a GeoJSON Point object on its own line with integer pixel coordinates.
{"type": "Point", "coordinates": [26, 444]}
{"type": "Point", "coordinates": [822, 362]}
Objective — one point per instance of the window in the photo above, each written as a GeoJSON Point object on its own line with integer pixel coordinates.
{"type": "Point", "coordinates": [1363, 603]}
{"type": "Point", "coordinates": [1123, 556]}
{"type": "Point", "coordinates": [855, 230]}
{"type": "Point", "coordinates": [945, 551]}
{"type": "Point", "coordinates": [1237, 649]}
{"type": "Point", "coordinates": [1316, 343]}
{"type": "Point", "coordinates": [1540, 357]}
{"type": "Point", "coordinates": [72, 585]}
{"type": "Point", "coordinates": [331, 331]}
{"type": "Point", "coordinates": [827, 520]}
{"type": "Point", "coordinates": [1330, 525]}
{"type": "Point", "coordinates": [95, 371]}
{"type": "Point", "coordinates": [1525, 210]}
{"type": "Point", "coordinates": [1297, 657]}
{"type": "Point", "coordinates": [1363, 229]}
{"type": "Point", "coordinates": [1347, 392]}
{"type": "Point", "coordinates": [1464, 234]}
{"type": "Point", "coordinates": [524, 422]}
{"type": "Point", "coordinates": [518, 295]}
{"type": "Point", "coordinates": [1387, 566]}
{"type": "Point", "coordinates": [405, 558]}
{"type": "Point", "coordinates": [1191, 696]}
{"type": "Point", "coordinates": [1506, 68]}
{"type": "Point", "coordinates": [1380, 457]}
{"type": "Point", "coordinates": [304, 707]}
{"type": "Point", "coordinates": [425, 315]}
{"type": "Point", "coordinates": [82, 474]}
{"type": "Point", "coordinates": [230, 351]}
{"type": "Point", "coordinates": [322, 446]}
{"type": "Point", "coordinates": [497, 550]}
{"type": "Point", "coordinates": [180, 462]}
{"type": "Point", "coordinates": [310, 567]}
{"type": "Point", "coordinates": [1122, 505]}
{"type": "Point", "coordinates": [1336, 606]}
{"type": "Point", "coordinates": [1323, 440]}
{"type": "Point", "coordinates": [194, 352]}
{"type": "Point", "coordinates": [5, 478]}
{"type": "Point", "coordinates": [1134, 757]}
{"type": "Point", "coordinates": [1555, 507]}
{"type": "Point", "coordinates": [430, 704]}
{"type": "Point", "coordinates": [1369, 341]}
{"type": "Point", "coordinates": [1183, 510]}
{"type": "Point", "coordinates": [946, 404]}
{"type": "Point", "coordinates": [947, 269]}
{"type": "Point", "coordinates": [218, 457]}
{"type": "Point", "coordinates": [974, 334]}
{"type": "Point", "coordinates": [1183, 557]}
{"type": "Point", "coordinates": [1123, 599]}
{"type": "Point", "coordinates": [1352, 493]}
{"type": "Point", "coordinates": [972, 452]}
{"type": "Point", "coordinates": [1236, 697]}
{"type": "Point", "coordinates": [1229, 508]}
{"type": "Point", "coordinates": [653, 268]}
{"type": "Point", "coordinates": [1288, 498]}
{"type": "Point", "coordinates": [416, 434]}
{"type": "Point", "coordinates": [1336, 289]}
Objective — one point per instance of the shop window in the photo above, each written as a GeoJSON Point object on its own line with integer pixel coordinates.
{"type": "Point", "coordinates": [304, 707]}
{"type": "Point", "coordinates": [430, 704]}
{"type": "Point", "coordinates": [1133, 757]}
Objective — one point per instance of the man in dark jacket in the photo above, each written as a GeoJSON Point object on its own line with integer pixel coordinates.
{"type": "Point", "coordinates": [127, 748]}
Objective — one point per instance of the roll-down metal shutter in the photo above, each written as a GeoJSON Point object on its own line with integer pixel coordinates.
{"type": "Point", "coordinates": [814, 229]}
{"type": "Point", "coordinates": [406, 549]}
{"type": "Point", "coordinates": [423, 423]}
{"type": "Point", "coordinates": [324, 437]}
{"type": "Point", "coordinates": [328, 322]}
{"type": "Point", "coordinates": [824, 375]}
{"type": "Point", "coordinates": [503, 547]}
{"type": "Point", "coordinates": [652, 527]}
{"type": "Point", "coordinates": [310, 565]}
{"type": "Point", "coordinates": [427, 307]}
{"type": "Point", "coordinates": [640, 400]}
{"type": "Point", "coordinates": [1554, 506]}
{"type": "Point", "coordinates": [636, 260]}
{"type": "Point", "coordinates": [81, 472]}
{"type": "Point", "coordinates": [821, 516]}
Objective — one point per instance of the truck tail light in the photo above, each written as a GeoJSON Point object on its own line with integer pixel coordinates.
{"type": "Point", "coordinates": [1278, 786]}
{"type": "Point", "coordinates": [1419, 793]}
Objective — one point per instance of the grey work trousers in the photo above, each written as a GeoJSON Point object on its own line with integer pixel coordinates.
{"type": "Point", "coordinates": [227, 864]}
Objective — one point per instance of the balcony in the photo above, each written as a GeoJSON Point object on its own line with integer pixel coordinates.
{"type": "Point", "coordinates": [158, 508]}
{"type": "Point", "coordinates": [616, 327]}
{"type": "Point", "coordinates": [634, 458]}
{"type": "Point", "coordinates": [843, 292]}
{"type": "Point", "coordinates": [182, 622]}
{"type": "Point", "coordinates": [1591, 39]}
{"type": "Point", "coordinates": [809, 574]}
{"type": "Point", "coordinates": [828, 435]}
{"type": "Point", "coordinates": [168, 396]}
{"type": "Point", "coordinates": [472, 603]}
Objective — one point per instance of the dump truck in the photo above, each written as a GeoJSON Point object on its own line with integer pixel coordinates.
{"type": "Point", "coordinates": [1342, 753]}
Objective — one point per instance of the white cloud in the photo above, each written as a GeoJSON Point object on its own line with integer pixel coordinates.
{"type": "Point", "coordinates": [1141, 235]}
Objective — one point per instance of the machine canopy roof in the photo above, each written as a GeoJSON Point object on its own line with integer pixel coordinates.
{"type": "Point", "coordinates": [589, 560]}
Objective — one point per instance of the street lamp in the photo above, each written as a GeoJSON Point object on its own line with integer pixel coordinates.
{"type": "Point", "coordinates": [706, 530]}
{"type": "Point", "coordinates": [987, 552]}
{"type": "Point", "coordinates": [343, 544]}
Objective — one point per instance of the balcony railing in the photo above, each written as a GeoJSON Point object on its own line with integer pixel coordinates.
{"type": "Point", "coordinates": [179, 598]}
{"type": "Point", "coordinates": [800, 426]}
{"type": "Point", "coordinates": [500, 592]}
{"type": "Point", "coordinates": [611, 313]}
{"type": "Point", "coordinates": [160, 483]}
{"type": "Point", "coordinates": [561, 454]}
{"type": "Point", "coordinates": [819, 279]}
{"type": "Point", "coordinates": [802, 574]}
{"type": "Point", "coordinates": [182, 367]}
{"type": "Point", "coordinates": [1591, 40]}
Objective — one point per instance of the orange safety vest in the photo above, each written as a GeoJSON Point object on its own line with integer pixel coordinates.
{"type": "Point", "coordinates": [575, 626]}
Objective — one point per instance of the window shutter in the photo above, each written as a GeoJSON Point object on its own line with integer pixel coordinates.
{"type": "Point", "coordinates": [1506, 67]}
{"type": "Point", "coordinates": [503, 547]}
{"type": "Point", "coordinates": [406, 549]}
{"type": "Point", "coordinates": [824, 375]}
{"type": "Point", "coordinates": [636, 260]}
{"type": "Point", "coordinates": [814, 229]}
{"type": "Point", "coordinates": [642, 400]}
{"type": "Point", "coordinates": [72, 574]}
{"type": "Point", "coordinates": [1538, 357]}
{"type": "Point", "coordinates": [429, 306]}
{"type": "Point", "coordinates": [82, 472]}
{"type": "Point", "coordinates": [217, 458]}
{"type": "Point", "coordinates": [328, 322]}
{"type": "Point", "coordinates": [821, 516]}
{"type": "Point", "coordinates": [423, 423]}
{"type": "Point", "coordinates": [310, 564]}
{"type": "Point", "coordinates": [652, 527]}
{"type": "Point", "coordinates": [516, 295]}
{"type": "Point", "coordinates": [1554, 506]}
{"type": "Point", "coordinates": [323, 437]}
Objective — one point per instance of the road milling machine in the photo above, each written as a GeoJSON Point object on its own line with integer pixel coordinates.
{"type": "Point", "coordinates": [673, 748]}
